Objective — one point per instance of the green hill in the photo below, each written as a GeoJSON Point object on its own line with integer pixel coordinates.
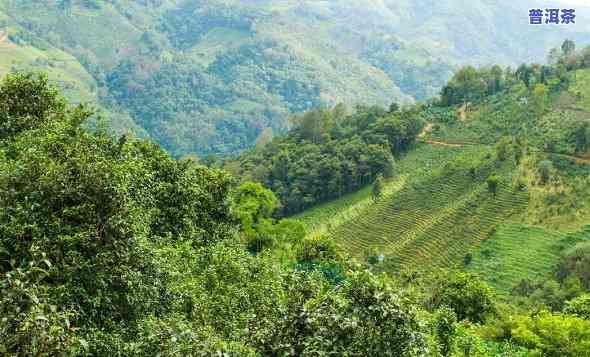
{"type": "Point", "coordinates": [440, 209]}
{"type": "Point", "coordinates": [210, 76]}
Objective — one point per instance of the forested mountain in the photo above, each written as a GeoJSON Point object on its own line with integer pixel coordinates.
{"type": "Point", "coordinates": [211, 76]}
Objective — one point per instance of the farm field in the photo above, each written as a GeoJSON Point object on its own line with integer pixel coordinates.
{"type": "Point", "coordinates": [411, 167]}
{"type": "Point", "coordinates": [433, 213]}
{"type": "Point", "coordinates": [515, 252]}
{"type": "Point", "coordinates": [431, 225]}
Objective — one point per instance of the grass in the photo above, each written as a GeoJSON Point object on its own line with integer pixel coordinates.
{"type": "Point", "coordinates": [62, 68]}
{"type": "Point", "coordinates": [516, 252]}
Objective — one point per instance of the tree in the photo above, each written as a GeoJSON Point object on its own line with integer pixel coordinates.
{"type": "Point", "coordinates": [568, 47]}
{"type": "Point", "coordinates": [378, 188]}
{"type": "Point", "coordinates": [493, 183]}
{"type": "Point", "coordinates": [582, 135]}
{"type": "Point", "coordinates": [253, 204]}
{"type": "Point", "coordinates": [575, 263]}
{"type": "Point", "coordinates": [553, 335]}
{"type": "Point", "coordinates": [503, 148]}
{"type": "Point", "coordinates": [365, 316]}
{"type": "Point", "coordinates": [27, 101]}
{"type": "Point", "coordinates": [525, 74]}
{"type": "Point", "coordinates": [545, 167]}
{"type": "Point", "coordinates": [445, 329]}
{"type": "Point", "coordinates": [539, 101]}
{"type": "Point", "coordinates": [465, 293]}
{"type": "Point", "coordinates": [579, 306]}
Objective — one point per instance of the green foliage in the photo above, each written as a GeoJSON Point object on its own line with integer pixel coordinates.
{"type": "Point", "coordinates": [545, 168]}
{"type": "Point", "coordinates": [579, 307]}
{"type": "Point", "coordinates": [253, 205]}
{"type": "Point", "coordinates": [30, 323]}
{"type": "Point", "coordinates": [503, 263]}
{"type": "Point", "coordinates": [576, 263]}
{"type": "Point", "coordinates": [553, 335]}
{"type": "Point", "coordinates": [465, 293]}
{"type": "Point", "coordinates": [365, 316]}
{"type": "Point", "coordinates": [493, 183]}
{"type": "Point", "coordinates": [27, 102]}
{"type": "Point", "coordinates": [328, 154]}
{"type": "Point", "coordinates": [318, 249]}
{"type": "Point", "coordinates": [445, 330]}
{"type": "Point", "coordinates": [209, 76]}
{"type": "Point", "coordinates": [377, 188]}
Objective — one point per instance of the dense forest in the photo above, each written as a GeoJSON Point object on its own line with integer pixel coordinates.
{"type": "Point", "coordinates": [111, 247]}
{"type": "Point", "coordinates": [329, 153]}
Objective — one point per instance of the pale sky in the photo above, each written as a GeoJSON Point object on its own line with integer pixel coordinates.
{"type": "Point", "coordinates": [576, 2]}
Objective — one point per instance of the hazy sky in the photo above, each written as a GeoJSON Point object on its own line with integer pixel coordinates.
{"type": "Point", "coordinates": [576, 2]}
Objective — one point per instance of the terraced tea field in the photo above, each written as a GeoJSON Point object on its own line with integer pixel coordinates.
{"type": "Point", "coordinates": [410, 169]}
{"type": "Point", "coordinates": [516, 252]}
{"type": "Point", "coordinates": [430, 226]}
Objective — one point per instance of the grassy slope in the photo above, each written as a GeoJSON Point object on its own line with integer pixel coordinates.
{"type": "Point", "coordinates": [436, 221]}
{"type": "Point", "coordinates": [517, 251]}
{"type": "Point", "coordinates": [429, 216]}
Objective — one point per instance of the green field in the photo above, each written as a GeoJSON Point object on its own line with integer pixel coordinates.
{"type": "Point", "coordinates": [433, 213]}
{"type": "Point", "coordinates": [414, 165]}
{"type": "Point", "coordinates": [515, 252]}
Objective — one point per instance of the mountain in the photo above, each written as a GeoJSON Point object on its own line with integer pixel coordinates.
{"type": "Point", "coordinates": [211, 76]}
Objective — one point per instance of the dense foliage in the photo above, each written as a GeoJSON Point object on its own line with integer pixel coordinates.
{"type": "Point", "coordinates": [329, 153]}
{"type": "Point", "coordinates": [111, 247]}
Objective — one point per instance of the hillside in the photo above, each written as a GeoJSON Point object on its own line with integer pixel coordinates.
{"type": "Point", "coordinates": [497, 186]}
{"type": "Point", "coordinates": [211, 76]}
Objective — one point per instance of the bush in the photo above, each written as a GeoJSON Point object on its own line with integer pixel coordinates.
{"type": "Point", "coordinates": [493, 183]}
{"type": "Point", "coordinates": [579, 306]}
{"type": "Point", "coordinates": [553, 334]}
{"type": "Point", "coordinates": [465, 293]}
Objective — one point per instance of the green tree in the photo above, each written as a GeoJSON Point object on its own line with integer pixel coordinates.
{"type": "Point", "coordinates": [582, 136]}
{"type": "Point", "coordinates": [579, 306]}
{"type": "Point", "coordinates": [377, 190]}
{"type": "Point", "coordinates": [503, 148]}
{"type": "Point", "coordinates": [575, 263]}
{"type": "Point", "coordinates": [27, 101]}
{"type": "Point", "coordinates": [553, 335]}
{"type": "Point", "coordinates": [493, 182]}
{"type": "Point", "coordinates": [366, 316]}
{"type": "Point", "coordinates": [253, 204]}
{"type": "Point", "coordinates": [545, 167]}
{"type": "Point", "coordinates": [539, 99]}
{"type": "Point", "coordinates": [445, 329]}
{"type": "Point", "coordinates": [465, 293]}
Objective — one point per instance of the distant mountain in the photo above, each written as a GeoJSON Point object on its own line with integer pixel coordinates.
{"type": "Point", "coordinates": [209, 76]}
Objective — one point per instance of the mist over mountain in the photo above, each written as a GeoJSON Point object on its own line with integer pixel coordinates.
{"type": "Point", "coordinates": [211, 76]}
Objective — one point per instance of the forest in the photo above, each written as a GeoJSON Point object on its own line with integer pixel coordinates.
{"type": "Point", "coordinates": [109, 246]}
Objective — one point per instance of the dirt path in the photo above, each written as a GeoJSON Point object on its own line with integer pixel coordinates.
{"type": "Point", "coordinates": [442, 143]}
{"type": "Point", "coordinates": [427, 129]}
